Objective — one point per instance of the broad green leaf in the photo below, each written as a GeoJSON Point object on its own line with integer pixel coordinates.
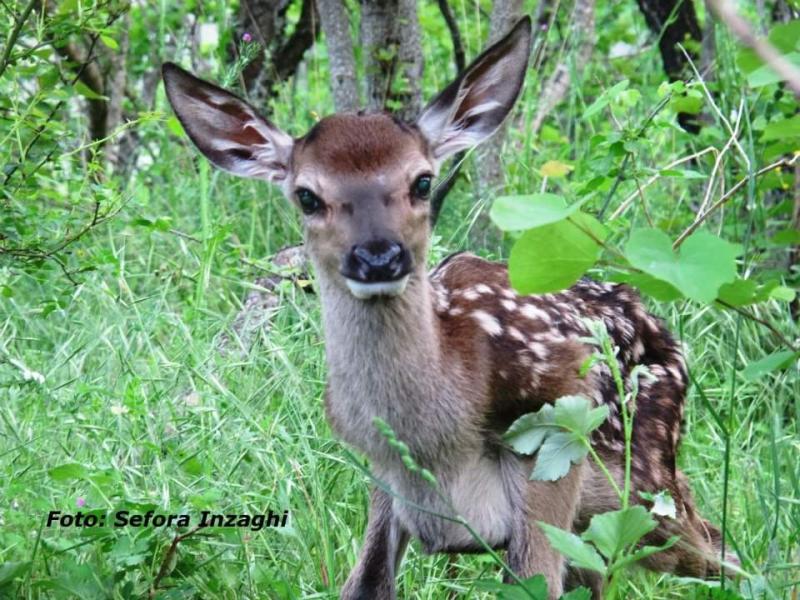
{"type": "Point", "coordinates": [575, 413]}
{"type": "Point", "coordinates": [580, 593]}
{"type": "Point", "coordinates": [785, 37]}
{"type": "Point", "coordinates": [703, 263]}
{"type": "Point", "coordinates": [527, 433]}
{"type": "Point", "coordinates": [9, 571]}
{"type": "Point", "coordinates": [515, 213]}
{"type": "Point", "coordinates": [614, 531]}
{"type": "Point", "coordinates": [783, 293]}
{"type": "Point", "coordinates": [574, 549]}
{"type": "Point", "coordinates": [87, 92]}
{"type": "Point", "coordinates": [553, 257]}
{"type": "Point", "coordinates": [555, 168]}
{"type": "Point", "coordinates": [782, 129]}
{"type": "Point", "coordinates": [557, 453]}
{"type": "Point", "coordinates": [770, 363]}
{"type": "Point", "coordinates": [68, 471]}
{"type": "Point", "coordinates": [645, 551]}
{"type": "Point", "coordinates": [764, 75]}
{"type": "Point", "coordinates": [109, 42]}
{"type": "Point", "coordinates": [647, 284]}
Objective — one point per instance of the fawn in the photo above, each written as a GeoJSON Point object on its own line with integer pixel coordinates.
{"type": "Point", "coordinates": [449, 359]}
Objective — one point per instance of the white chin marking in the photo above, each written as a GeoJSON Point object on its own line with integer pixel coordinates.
{"type": "Point", "coordinates": [364, 291]}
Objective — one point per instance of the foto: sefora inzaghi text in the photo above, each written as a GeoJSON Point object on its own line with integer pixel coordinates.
{"type": "Point", "coordinates": [206, 518]}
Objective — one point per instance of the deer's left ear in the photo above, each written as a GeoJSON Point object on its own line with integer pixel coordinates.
{"type": "Point", "coordinates": [471, 108]}
{"type": "Point", "coordinates": [226, 129]}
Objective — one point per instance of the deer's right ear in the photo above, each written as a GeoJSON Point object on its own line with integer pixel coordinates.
{"type": "Point", "coordinates": [226, 129]}
{"type": "Point", "coordinates": [471, 108]}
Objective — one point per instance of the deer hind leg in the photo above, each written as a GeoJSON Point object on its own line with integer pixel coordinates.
{"type": "Point", "coordinates": [553, 502]}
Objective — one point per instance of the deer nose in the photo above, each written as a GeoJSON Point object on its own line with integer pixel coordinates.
{"type": "Point", "coordinates": [377, 260]}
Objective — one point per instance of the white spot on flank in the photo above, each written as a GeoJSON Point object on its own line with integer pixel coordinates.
{"type": "Point", "coordinates": [509, 305]}
{"type": "Point", "coordinates": [516, 334]}
{"type": "Point", "coordinates": [471, 294]}
{"type": "Point", "coordinates": [503, 374]}
{"type": "Point", "coordinates": [535, 313]}
{"type": "Point", "coordinates": [482, 288]}
{"type": "Point", "coordinates": [454, 312]}
{"type": "Point", "coordinates": [508, 294]}
{"type": "Point", "coordinates": [540, 350]}
{"type": "Point", "coordinates": [675, 373]}
{"type": "Point", "coordinates": [490, 324]}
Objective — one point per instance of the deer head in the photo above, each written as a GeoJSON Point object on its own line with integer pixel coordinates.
{"type": "Point", "coordinates": [361, 180]}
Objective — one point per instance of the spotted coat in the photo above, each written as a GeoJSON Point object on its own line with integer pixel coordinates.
{"type": "Point", "coordinates": [536, 345]}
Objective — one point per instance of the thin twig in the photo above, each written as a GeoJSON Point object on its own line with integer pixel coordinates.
{"type": "Point", "coordinates": [632, 197]}
{"type": "Point", "coordinates": [12, 39]}
{"type": "Point", "coordinates": [784, 162]}
{"type": "Point", "coordinates": [165, 568]}
{"type": "Point", "coordinates": [748, 315]}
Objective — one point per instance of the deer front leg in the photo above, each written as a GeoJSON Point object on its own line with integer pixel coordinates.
{"type": "Point", "coordinates": [553, 502]}
{"type": "Point", "coordinates": [384, 545]}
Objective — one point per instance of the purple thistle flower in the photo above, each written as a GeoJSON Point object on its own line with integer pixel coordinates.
{"type": "Point", "coordinates": [247, 38]}
{"type": "Point", "coordinates": [81, 502]}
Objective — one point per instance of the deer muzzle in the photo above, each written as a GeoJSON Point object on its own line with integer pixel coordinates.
{"type": "Point", "coordinates": [378, 267]}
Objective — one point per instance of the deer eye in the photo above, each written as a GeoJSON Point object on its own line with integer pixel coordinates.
{"type": "Point", "coordinates": [309, 201]}
{"type": "Point", "coordinates": [421, 188]}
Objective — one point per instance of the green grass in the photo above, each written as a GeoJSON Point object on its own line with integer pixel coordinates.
{"type": "Point", "coordinates": [137, 393]}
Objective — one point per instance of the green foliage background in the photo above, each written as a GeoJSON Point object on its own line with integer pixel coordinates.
{"type": "Point", "coordinates": [115, 290]}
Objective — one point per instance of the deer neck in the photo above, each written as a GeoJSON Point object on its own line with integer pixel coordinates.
{"type": "Point", "coordinates": [384, 360]}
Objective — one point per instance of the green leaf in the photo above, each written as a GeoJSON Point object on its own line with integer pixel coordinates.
{"type": "Point", "coordinates": [647, 284]}
{"type": "Point", "coordinates": [85, 91]}
{"type": "Point", "coordinates": [783, 293]}
{"type": "Point", "coordinates": [527, 433]}
{"type": "Point", "coordinates": [515, 213]}
{"type": "Point", "coordinates": [782, 129]}
{"type": "Point", "coordinates": [602, 101]}
{"type": "Point", "coordinates": [575, 413]}
{"type": "Point", "coordinates": [644, 552]}
{"type": "Point", "coordinates": [764, 75]}
{"type": "Point", "coordinates": [174, 125]}
{"type": "Point", "coordinates": [556, 454]}
{"type": "Point", "coordinates": [770, 363]}
{"type": "Point", "coordinates": [580, 593]}
{"type": "Point", "coordinates": [109, 42]}
{"type": "Point", "coordinates": [553, 257]}
{"type": "Point", "coordinates": [614, 531]}
{"type": "Point", "coordinates": [68, 471]}
{"type": "Point", "coordinates": [578, 552]}
{"type": "Point", "coordinates": [702, 265]}
{"type": "Point", "coordinates": [9, 571]}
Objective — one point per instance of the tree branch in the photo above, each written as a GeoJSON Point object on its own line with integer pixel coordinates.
{"type": "Point", "coordinates": [766, 51]}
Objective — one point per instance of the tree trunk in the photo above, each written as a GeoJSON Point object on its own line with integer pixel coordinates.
{"type": "Point", "coordinates": [264, 20]}
{"type": "Point", "coordinates": [341, 61]}
{"type": "Point", "coordinates": [578, 48]}
{"type": "Point", "coordinates": [490, 175]}
{"type": "Point", "coordinates": [672, 21]}
{"type": "Point", "coordinates": [390, 39]}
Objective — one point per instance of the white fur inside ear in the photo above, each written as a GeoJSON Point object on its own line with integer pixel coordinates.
{"type": "Point", "coordinates": [364, 291]}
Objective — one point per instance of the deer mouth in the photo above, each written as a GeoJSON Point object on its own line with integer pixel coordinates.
{"type": "Point", "coordinates": [364, 290]}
